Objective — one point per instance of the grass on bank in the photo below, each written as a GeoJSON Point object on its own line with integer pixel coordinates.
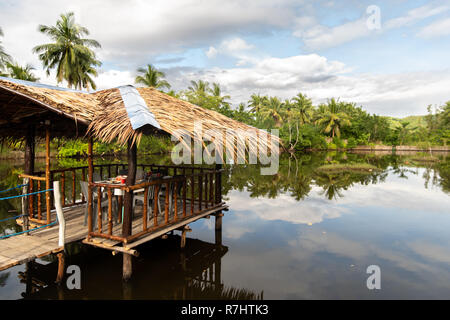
{"type": "Point", "coordinates": [348, 167]}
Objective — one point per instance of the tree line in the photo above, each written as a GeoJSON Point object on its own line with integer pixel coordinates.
{"type": "Point", "coordinates": [302, 125]}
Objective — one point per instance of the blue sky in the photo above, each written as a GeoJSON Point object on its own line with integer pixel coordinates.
{"type": "Point", "coordinates": [321, 48]}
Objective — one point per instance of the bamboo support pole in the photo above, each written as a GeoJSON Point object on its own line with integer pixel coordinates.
{"type": "Point", "coordinates": [47, 172]}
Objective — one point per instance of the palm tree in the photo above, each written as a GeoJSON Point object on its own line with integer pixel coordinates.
{"type": "Point", "coordinates": [70, 54]}
{"type": "Point", "coordinates": [199, 86]}
{"type": "Point", "coordinates": [151, 77]}
{"type": "Point", "coordinates": [257, 102]}
{"type": "Point", "coordinates": [216, 91]}
{"type": "Point", "coordinates": [4, 57]}
{"type": "Point", "coordinates": [223, 105]}
{"type": "Point", "coordinates": [22, 73]}
{"type": "Point", "coordinates": [303, 106]}
{"type": "Point", "coordinates": [333, 118]}
{"type": "Point", "coordinates": [274, 110]}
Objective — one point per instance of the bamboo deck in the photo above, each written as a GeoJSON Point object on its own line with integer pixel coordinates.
{"type": "Point", "coordinates": [24, 248]}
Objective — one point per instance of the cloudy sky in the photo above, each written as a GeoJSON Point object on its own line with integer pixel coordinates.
{"type": "Point", "coordinates": [395, 65]}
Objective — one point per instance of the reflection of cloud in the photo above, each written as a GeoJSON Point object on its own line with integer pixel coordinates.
{"type": "Point", "coordinates": [397, 193]}
{"type": "Point", "coordinates": [314, 241]}
{"type": "Point", "coordinates": [285, 208]}
{"type": "Point", "coordinates": [311, 242]}
{"type": "Point", "coordinates": [431, 251]}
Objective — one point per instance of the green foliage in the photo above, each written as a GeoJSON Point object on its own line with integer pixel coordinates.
{"type": "Point", "coordinates": [108, 148]}
{"type": "Point", "coordinates": [72, 148]}
{"type": "Point", "coordinates": [338, 142]}
{"type": "Point", "coordinates": [4, 57]}
{"type": "Point", "coordinates": [151, 77]}
{"type": "Point", "coordinates": [69, 52]}
{"type": "Point", "coordinates": [363, 139]}
{"type": "Point", "coordinates": [153, 144]}
{"type": "Point", "coordinates": [311, 138]}
{"type": "Point", "coordinates": [351, 143]}
{"type": "Point", "coordinates": [16, 71]}
{"type": "Point", "coordinates": [332, 146]}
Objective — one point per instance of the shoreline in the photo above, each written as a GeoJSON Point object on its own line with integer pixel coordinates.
{"type": "Point", "coordinates": [20, 155]}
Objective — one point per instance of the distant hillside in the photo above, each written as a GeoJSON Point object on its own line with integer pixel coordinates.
{"type": "Point", "coordinates": [414, 122]}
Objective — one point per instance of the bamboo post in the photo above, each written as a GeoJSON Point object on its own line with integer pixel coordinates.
{"type": "Point", "coordinates": [63, 189]}
{"type": "Point", "coordinates": [144, 212]}
{"type": "Point", "coordinates": [59, 213]}
{"type": "Point", "coordinates": [47, 171]}
{"type": "Point", "coordinates": [74, 187]}
{"type": "Point", "coordinates": [39, 206]}
{"type": "Point", "coordinates": [90, 179]}
{"type": "Point", "coordinates": [183, 236]}
{"type": "Point", "coordinates": [61, 263]}
{"type": "Point", "coordinates": [218, 183]}
{"type": "Point", "coordinates": [25, 224]}
{"type": "Point", "coordinates": [218, 231]}
{"type": "Point", "coordinates": [128, 208]}
{"type": "Point", "coordinates": [29, 169]}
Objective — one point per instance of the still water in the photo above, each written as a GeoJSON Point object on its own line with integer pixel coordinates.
{"type": "Point", "coordinates": [300, 234]}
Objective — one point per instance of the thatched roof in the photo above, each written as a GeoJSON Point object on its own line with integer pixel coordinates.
{"type": "Point", "coordinates": [103, 114]}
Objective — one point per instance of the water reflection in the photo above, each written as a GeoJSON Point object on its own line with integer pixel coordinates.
{"type": "Point", "coordinates": [297, 176]}
{"type": "Point", "coordinates": [162, 271]}
{"type": "Point", "coordinates": [303, 233]}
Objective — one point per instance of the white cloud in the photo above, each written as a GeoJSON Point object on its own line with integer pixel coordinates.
{"type": "Point", "coordinates": [138, 30]}
{"type": "Point", "coordinates": [319, 36]}
{"type": "Point", "coordinates": [114, 78]}
{"type": "Point", "coordinates": [211, 53]}
{"type": "Point", "coordinates": [436, 29]}
{"type": "Point", "coordinates": [237, 48]}
{"type": "Point", "coordinates": [416, 15]}
{"type": "Point", "coordinates": [235, 44]}
{"type": "Point", "coordinates": [387, 94]}
{"type": "Point", "coordinates": [316, 36]}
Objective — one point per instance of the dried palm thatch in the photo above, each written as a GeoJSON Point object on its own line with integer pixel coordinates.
{"type": "Point", "coordinates": [106, 118]}
{"type": "Point", "coordinates": [77, 105]}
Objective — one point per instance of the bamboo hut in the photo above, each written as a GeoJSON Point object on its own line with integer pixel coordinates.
{"type": "Point", "coordinates": [30, 111]}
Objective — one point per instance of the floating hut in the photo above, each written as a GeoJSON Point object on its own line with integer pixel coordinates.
{"type": "Point", "coordinates": [114, 219]}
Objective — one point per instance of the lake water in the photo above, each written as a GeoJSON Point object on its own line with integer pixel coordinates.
{"type": "Point", "coordinates": [300, 234]}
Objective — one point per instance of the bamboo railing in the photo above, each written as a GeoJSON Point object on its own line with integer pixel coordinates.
{"type": "Point", "coordinates": [173, 199]}
{"type": "Point", "coordinates": [197, 191]}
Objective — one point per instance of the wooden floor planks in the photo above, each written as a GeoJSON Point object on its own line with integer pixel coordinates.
{"type": "Point", "coordinates": [22, 248]}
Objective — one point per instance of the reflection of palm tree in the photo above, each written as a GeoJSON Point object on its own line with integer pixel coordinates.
{"type": "Point", "coordinates": [331, 185]}
{"type": "Point", "coordinates": [301, 187]}
{"type": "Point", "coordinates": [3, 278]}
{"type": "Point", "coordinates": [402, 171]}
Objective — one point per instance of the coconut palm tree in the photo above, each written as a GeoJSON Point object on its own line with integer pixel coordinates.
{"type": "Point", "coordinates": [199, 86]}
{"type": "Point", "coordinates": [274, 110]}
{"type": "Point", "coordinates": [4, 57]}
{"type": "Point", "coordinates": [303, 105]}
{"type": "Point", "coordinates": [151, 77]}
{"type": "Point", "coordinates": [257, 102]}
{"type": "Point", "coordinates": [70, 53]}
{"type": "Point", "coordinates": [16, 71]}
{"type": "Point", "coordinates": [216, 91]}
{"type": "Point", "coordinates": [333, 118]}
